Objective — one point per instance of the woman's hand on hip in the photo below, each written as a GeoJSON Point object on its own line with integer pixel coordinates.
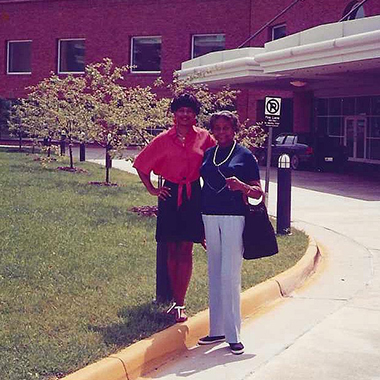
{"type": "Point", "coordinates": [162, 192]}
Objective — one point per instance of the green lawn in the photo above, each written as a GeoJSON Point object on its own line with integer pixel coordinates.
{"type": "Point", "coordinates": [77, 267]}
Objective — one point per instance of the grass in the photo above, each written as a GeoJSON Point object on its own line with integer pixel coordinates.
{"type": "Point", "coordinates": [77, 268]}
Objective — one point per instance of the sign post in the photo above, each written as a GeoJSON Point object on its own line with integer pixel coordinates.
{"type": "Point", "coordinates": [272, 115]}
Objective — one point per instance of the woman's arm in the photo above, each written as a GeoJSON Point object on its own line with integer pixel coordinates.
{"type": "Point", "coordinates": [162, 192]}
{"type": "Point", "coordinates": [252, 189]}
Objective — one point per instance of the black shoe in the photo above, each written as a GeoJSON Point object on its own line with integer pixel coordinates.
{"type": "Point", "coordinates": [211, 339]}
{"type": "Point", "coordinates": [237, 348]}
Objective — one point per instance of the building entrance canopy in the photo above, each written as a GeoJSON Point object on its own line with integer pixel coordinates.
{"type": "Point", "coordinates": [318, 56]}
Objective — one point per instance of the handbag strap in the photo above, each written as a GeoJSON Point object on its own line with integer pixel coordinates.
{"type": "Point", "coordinates": [256, 202]}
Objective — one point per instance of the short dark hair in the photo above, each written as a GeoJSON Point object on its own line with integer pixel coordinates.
{"type": "Point", "coordinates": [228, 115]}
{"type": "Point", "coordinates": [185, 99]}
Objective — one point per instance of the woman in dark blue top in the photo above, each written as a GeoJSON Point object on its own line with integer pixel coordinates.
{"type": "Point", "coordinates": [230, 174]}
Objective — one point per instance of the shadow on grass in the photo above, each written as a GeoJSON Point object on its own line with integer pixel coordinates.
{"type": "Point", "coordinates": [137, 322]}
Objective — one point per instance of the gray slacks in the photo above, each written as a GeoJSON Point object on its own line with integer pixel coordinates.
{"type": "Point", "coordinates": [225, 256]}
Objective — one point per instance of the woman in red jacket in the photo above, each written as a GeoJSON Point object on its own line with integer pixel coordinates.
{"type": "Point", "coordinates": [176, 155]}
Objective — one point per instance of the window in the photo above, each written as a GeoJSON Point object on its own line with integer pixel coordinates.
{"type": "Point", "coordinates": [363, 105]}
{"type": "Point", "coordinates": [322, 107]}
{"type": "Point", "coordinates": [348, 105]}
{"type": "Point", "coordinates": [71, 54]}
{"type": "Point", "coordinates": [335, 126]}
{"type": "Point", "coordinates": [19, 57]}
{"type": "Point", "coordinates": [289, 140]}
{"type": "Point", "coordinates": [344, 118]}
{"type": "Point", "coordinates": [278, 31]}
{"type": "Point", "coordinates": [335, 106]}
{"type": "Point", "coordinates": [357, 13]}
{"type": "Point", "coordinates": [207, 43]}
{"type": "Point", "coordinates": [146, 54]}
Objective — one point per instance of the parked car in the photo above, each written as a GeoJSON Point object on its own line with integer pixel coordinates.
{"type": "Point", "coordinates": [320, 153]}
{"type": "Point", "coordinates": [330, 154]}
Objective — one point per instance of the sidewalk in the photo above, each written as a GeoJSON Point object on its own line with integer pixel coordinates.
{"type": "Point", "coordinates": [330, 328]}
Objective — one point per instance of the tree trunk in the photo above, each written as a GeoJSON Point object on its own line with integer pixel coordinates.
{"type": "Point", "coordinates": [20, 141]}
{"type": "Point", "coordinates": [82, 152]}
{"type": "Point", "coordinates": [49, 149]}
{"type": "Point", "coordinates": [71, 155]}
{"type": "Point", "coordinates": [62, 146]}
{"type": "Point", "coordinates": [108, 164]}
{"type": "Point", "coordinates": [107, 174]}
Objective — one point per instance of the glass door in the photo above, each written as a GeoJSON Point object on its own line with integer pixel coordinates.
{"type": "Point", "coordinates": [355, 128]}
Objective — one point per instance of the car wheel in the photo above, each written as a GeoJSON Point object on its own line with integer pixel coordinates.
{"type": "Point", "coordinates": [295, 162]}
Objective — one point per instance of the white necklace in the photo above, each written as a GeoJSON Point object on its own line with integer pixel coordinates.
{"type": "Point", "coordinates": [226, 159]}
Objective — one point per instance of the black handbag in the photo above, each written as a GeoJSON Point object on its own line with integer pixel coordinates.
{"type": "Point", "coordinates": [259, 238]}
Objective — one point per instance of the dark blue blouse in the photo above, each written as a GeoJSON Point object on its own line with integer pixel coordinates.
{"type": "Point", "coordinates": [217, 199]}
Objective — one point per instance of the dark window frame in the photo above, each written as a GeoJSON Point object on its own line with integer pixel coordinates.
{"type": "Point", "coordinates": [272, 31]}
{"type": "Point", "coordinates": [8, 67]}
{"type": "Point", "coordinates": [358, 13]}
{"type": "Point", "coordinates": [59, 65]}
{"type": "Point", "coordinates": [132, 58]}
{"type": "Point", "coordinates": [193, 46]}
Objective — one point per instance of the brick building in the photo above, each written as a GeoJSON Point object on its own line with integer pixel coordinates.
{"type": "Point", "coordinates": [156, 36]}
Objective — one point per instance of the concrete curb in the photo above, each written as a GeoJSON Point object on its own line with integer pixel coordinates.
{"type": "Point", "coordinates": [146, 355]}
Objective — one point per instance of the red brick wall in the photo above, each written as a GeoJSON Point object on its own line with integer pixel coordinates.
{"type": "Point", "coordinates": [108, 25]}
{"type": "Point", "coordinates": [304, 15]}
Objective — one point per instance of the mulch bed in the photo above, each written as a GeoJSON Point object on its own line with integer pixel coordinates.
{"type": "Point", "coordinates": [45, 159]}
{"type": "Point", "coordinates": [145, 210]}
{"type": "Point", "coordinates": [96, 183]}
{"type": "Point", "coordinates": [72, 170]}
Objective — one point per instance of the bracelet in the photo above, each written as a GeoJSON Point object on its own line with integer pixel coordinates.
{"type": "Point", "coordinates": [250, 188]}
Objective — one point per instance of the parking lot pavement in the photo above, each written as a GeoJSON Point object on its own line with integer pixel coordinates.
{"type": "Point", "coordinates": [363, 184]}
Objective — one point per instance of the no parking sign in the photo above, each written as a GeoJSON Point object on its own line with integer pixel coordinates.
{"type": "Point", "coordinates": [272, 115]}
{"type": "Point", "coordinates": [272, 111]}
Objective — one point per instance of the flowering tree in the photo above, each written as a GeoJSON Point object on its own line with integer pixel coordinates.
{"type": "Point", "coordinates": [212, 101]}
{"type": "Point", "coordinates": [27, 118]}
{"type": "Point", "coordinates": [121, 116]}
{"type": "Point", "coordinates": [5, 107]}
{"type": "Point", "coordinates": [54, 107]}
{"type": "Point", "coordinates": [63, 105]}
{"type": "Point", "coordinates": [16, 121]}
{"type": "Point", "coordinates": [97, 106]}
{"type": "Point", "coordinates": [251, 136]}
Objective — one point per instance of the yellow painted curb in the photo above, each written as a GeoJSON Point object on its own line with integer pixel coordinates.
{"type": "Point", "coordinates": [147, 354]}
{"type": "Point", "coordinates": [144, 356]}
{"type": "Point", "coordinates": [255, 298]}
{"type": "Point", "coordinates": [295, 276]}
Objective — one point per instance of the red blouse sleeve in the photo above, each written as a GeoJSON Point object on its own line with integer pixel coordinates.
{"type": "Point", "coordinates": [147, 159]}
{"type": "Point", "coordinates": [210, 142]}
